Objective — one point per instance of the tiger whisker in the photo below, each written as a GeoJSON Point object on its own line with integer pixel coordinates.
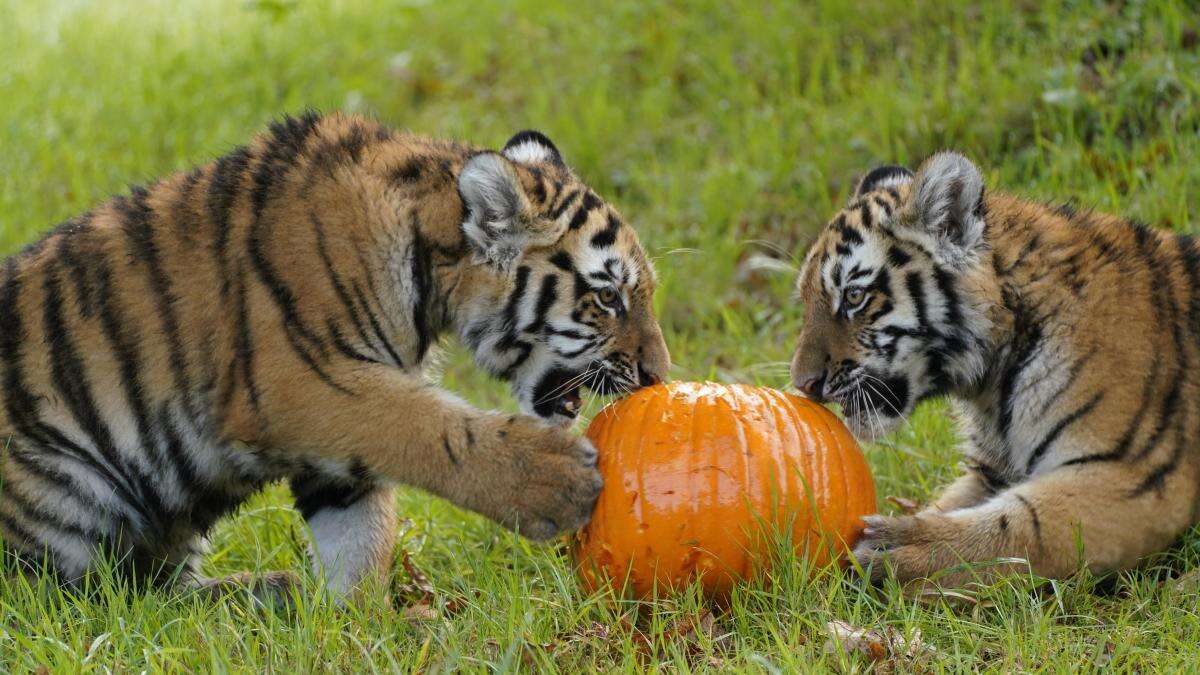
{"type": "Point", "coordinates": [864, 409]}
{"type": "Point", "coordinates": [551, 395]}
{"type": "Point", "coordinates": [677, 251]}
{"type": "Point", "coordinates": [768, 367]}
{"type": "Point", "coordinates": [793, 261]}
{"type": "Point", "coordinates": [595, 380]}
{"type": "Point", "coordinates": [591, 401]}
{"type": "Point", "coordinates": [874, 423]}
{"type": "Point", "coordinates": [868, 378]}
{"type": "Point", "coordinates": [878, 421]}
{"type": "Point", "coordinates": [566, 386]}
{"type": "Point", "coordinates": [865, 406]}
{"type": "Point", "coordinates": [622, 385]}
{"type": "Point", "coordinates": [612, 411]}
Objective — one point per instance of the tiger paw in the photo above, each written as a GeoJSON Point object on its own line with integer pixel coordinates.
{"type": "Point", "coordinates": [537, 479]}
{"type": "Point", "coordinates": [273, 589]}
{"type": "Point", "coordinates": [910, 547]}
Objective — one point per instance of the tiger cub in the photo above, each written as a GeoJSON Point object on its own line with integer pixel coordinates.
{"type": "Point", "coordinates": [1069, 342]}
{"type": "Point", "coordinates": [267, 317]}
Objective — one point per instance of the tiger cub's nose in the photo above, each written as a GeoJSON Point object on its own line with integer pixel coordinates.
{"type": "Point", "coordinates": [647, 378]}
{"type": "Point", "coordinates": [812, 386]}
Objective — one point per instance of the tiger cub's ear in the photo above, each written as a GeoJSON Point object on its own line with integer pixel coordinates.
{"type": "Point", "coordinates": [883, 177]}
{"type": "Point", "coordinates": [947, 201]}
{"type": "Point", "coordinates": [532, 147]}
{"type": "Point", "coordinates": [500, 223]}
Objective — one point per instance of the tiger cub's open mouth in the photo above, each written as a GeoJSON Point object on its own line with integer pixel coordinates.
{"type": "Point", "coordinates": [560, 393]}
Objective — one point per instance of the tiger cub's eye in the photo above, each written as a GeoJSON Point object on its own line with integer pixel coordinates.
{"type": "Point", "coordinates": [608, 296]}
{"type": "Point", "coordinates": [855, 296]}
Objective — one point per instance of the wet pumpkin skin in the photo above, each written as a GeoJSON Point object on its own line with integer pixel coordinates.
{"type": "Point", "coordinates": [693, 474]}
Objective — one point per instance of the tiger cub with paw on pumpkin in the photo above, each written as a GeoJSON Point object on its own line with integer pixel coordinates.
{"type": "Point", "coordinates": [268, 316]}
{"type": "Point", "coordinates": [1069, 342]}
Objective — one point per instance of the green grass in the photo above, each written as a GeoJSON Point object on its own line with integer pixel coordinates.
{"type": "Point", "coordinates": [722, 130]}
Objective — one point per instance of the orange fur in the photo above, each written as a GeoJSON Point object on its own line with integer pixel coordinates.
{"type": "Point", "coordinates": [1068, 341]}
{"type": "Point", "coordinates": [268, 316]}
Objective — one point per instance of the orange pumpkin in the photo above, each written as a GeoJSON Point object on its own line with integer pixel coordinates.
{"type": "Point", "coordinates": [694, 471]}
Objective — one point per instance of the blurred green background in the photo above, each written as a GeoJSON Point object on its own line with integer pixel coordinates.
{"type": "Point", "coordinates": [726, 133]}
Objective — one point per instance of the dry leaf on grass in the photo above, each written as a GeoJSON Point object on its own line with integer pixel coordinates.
{"type": "Point", "coordinates": [688, 627]}
{"type": "Point", "coordinates": [491, 649]}
{"type": "Point", "coordinates": [594, 631]}
{"type": "Point", "coordinates": [691, 633]}
{"type": "Point", "coordinates": [691, 629]}
{"type": "Point", "coordinates": [1189, 582]}
{"type": "Point", "coordinates": [458, 603]}
{"type": "Point", "coordinates": [419, 582]}
{"type": "Point", "coordinates": [885, 644]}
{"type": "Point", "coordinates": [532, 648]}
{"type": "Point", "coordinates": [422, 611]}
{"type": "Point", "coordinates": [421, 596]}
{"type": "Point", "coordinates": [641, 642]}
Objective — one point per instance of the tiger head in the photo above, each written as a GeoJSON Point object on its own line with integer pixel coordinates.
{"type": "Point", "coordinates": [893, 310]}
{"type": "Point", "coordinates": [568, 296]}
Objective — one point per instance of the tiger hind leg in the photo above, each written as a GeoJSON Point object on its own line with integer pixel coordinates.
{"type": "Point", "coordinates": [47, 522]}
{"type": "Point", "coordinates": [353, 527]}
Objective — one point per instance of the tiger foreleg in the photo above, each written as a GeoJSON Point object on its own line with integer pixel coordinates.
{"type": "Point", "coordinates": [967, 490]}
{"type": "Point", "coordinates": [517, 470]}
{"type": "Point", "coordinates": [1098, 516]}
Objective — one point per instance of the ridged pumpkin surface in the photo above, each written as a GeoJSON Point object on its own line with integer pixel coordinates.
{"type": "Point", "coordinates": [693, 472]}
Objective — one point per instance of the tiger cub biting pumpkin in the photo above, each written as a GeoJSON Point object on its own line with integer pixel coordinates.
{"type": "Point", "coordinates": [268, 317]}
{"type": "Point", "coordinates": [1069, 342]}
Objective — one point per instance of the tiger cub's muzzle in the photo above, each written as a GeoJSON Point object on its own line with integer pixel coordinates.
{"type": "Point", "coordinates": [560, 392]}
